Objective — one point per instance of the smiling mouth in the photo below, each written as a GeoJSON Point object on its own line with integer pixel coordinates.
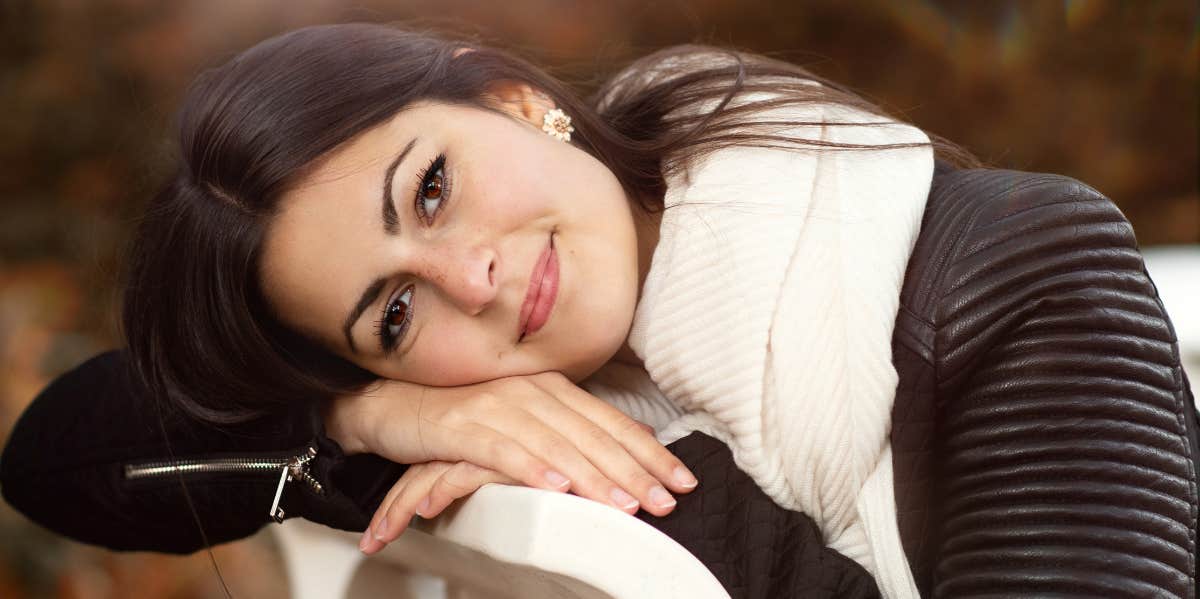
{"type": "Point", "coordinates": [542, 292]}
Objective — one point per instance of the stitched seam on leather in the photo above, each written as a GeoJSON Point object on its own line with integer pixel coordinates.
{"type": "Point", "coordinates": [911, 313]}
{"type": "Point", "coordinates": [972, 226]}
{"type": "Point", "coordinates": [940, 260]}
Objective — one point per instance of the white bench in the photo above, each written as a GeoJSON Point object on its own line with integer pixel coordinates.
{"type": "Point", "coordinates": [502, 542]}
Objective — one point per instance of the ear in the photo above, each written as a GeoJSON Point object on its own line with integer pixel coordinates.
{"type": "Point", "coordinates": [520, 100]}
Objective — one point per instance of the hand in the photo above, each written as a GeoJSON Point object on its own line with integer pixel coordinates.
{"type": "Point", "coordinates": [541, 430]}
{"type": "Point", "coordinates": [425, 490]}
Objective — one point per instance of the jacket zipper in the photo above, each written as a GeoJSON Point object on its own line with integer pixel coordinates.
{"type": "Point", "coordinates": [290, 468]}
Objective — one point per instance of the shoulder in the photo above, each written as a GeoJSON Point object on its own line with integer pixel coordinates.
{"type": "Point", "coordinates": [976, 217]}
{"type": "Point", "coordinates": [997, 244]}
{"type": "Point", "coordinates": [1006, 199]}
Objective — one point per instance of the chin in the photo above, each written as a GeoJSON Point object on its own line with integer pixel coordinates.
{"type": "Point", "coordinates": [595, 340]}
{"type": "Point", "coordinates": [585, 365]}
{"type": "Point", "coordinates": [581, 373]}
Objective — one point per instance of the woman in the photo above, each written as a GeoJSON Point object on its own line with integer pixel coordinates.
{"type": "Point", "coordinates": [447, 240]}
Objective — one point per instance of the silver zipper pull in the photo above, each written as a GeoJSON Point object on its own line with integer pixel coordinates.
{"type": "Point", "coordinates": [297, 467]}
{"type": "Point", "coordinates": [276, 511]}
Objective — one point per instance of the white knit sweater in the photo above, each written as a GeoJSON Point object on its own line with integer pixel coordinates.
{"type": "Point", "coordinates": [766, 322]}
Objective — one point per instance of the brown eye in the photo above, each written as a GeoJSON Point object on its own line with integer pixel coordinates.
{"type": "Point", "coordinates": [396, 313]}
{"type": "Point", "coordinates": [396, 318]}
{"type": "Point", "coordinates": [433, 188]}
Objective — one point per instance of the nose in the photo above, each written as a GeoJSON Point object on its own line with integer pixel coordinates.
{"type": "Point", "coordinates": [464, 275]}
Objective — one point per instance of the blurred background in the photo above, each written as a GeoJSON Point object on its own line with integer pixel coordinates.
{"type": "Point", "coordinates": [1103, 91]}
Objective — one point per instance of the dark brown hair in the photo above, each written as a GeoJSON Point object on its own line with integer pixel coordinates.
{"type": "Point", "coordinates": [199, 332]}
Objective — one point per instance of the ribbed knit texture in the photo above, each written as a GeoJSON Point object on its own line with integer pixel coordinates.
{"type": "Point", "coordinates": [766, 320]}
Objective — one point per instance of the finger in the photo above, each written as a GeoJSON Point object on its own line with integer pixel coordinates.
{"type": "Point", "coordinates": [368, 543]}
{"type": "Point", "coordinates": [564, 452]}
{"type": "Point", "coordinates": [461, 480]}
{"type": "Point", "coordinates": [610, 457]}
{"type": "Point", "coordinates": [501, 451]}
{"type": "Point", "coordinates": [404, 507]}
{"type": "Point", "coordinates": [398, 514]}
{"type": "Point", "coordinates": [638, 439]}
{"type": "Point", "coordinates": [461, 436]}
{"type": "Point", "coordinates": [649, 430]}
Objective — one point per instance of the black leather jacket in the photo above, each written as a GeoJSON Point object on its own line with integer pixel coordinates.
{"type": "Point", "coordinates": [1043, 436]}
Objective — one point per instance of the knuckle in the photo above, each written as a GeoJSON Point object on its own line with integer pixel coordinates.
{"type": "Point", "coordinates": [486, 401]}
{"type": "Point", "coordinates": [462, 471]}
{"type": "Point", "coordinates": [628, 427]}
{"type": "Point", "coordinates": [499, 446]}
{"type": "Point", "coordinates": [397, 508]}
{"type": "Point", "coordinates": [447, 488]}
{"type": "Point", "coordinates": [455, 416]}
{"type": "Point", "coordinates": [600, 436]}
{"type": "Point", "coordinates": [557, 446]}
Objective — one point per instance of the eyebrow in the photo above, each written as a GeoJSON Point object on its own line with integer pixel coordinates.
{"type": "Point", "coordinates": [391, 226]}
{"type": "Point", "coordinates": [391, 220]}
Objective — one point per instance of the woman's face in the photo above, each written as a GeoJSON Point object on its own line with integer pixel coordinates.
{"type": "Point", "coordinates": [425, 249]}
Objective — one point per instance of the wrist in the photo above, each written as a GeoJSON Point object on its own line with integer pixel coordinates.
{"type": "Point", "coordinates": [380, 419]}
{"type": "Point", "coordinates": [343, 423]}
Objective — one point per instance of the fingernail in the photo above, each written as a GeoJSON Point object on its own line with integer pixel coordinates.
{"type": "Point", "coordinates": [660, 497]}
{"type": "Point", "coordinates": [622, 499]}
{"type": "Point", "coordinates": [423, 507]}
{"type": "Point", "coordinates": [365, 540]}
{"type": "Point", "coordinates": [379, 528]}
{"type": "Point", "coordinates": [556, 480]}
{"type": "Point", "coordinates": [684, 478]}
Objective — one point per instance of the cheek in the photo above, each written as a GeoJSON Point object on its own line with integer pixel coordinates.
{"type": "Point", "coordinates": [522, 176]}
{"type": "Point", "coordinates": [449, 355]}
{"type": "Point", "coordinates": [510, 195]}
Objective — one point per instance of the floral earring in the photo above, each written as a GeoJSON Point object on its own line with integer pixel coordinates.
{"type": "Point", "coordinates": [557, 124]}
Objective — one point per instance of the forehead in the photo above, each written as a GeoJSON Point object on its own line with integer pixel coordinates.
{"type": "Point", "coordinates": [362, 159]}
{"type": "Point", "coordinates": [363, 153]}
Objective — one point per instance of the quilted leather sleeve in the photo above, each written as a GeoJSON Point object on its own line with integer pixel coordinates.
{"type": "Point", "coordinates": [1065, 460]}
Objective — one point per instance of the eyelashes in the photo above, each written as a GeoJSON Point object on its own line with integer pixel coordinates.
{"type": "Point", "coordinates": [397, 316]}
{"type": "Point", "coordinates": [433, 187]}
{"type": "Point", "coordinates": [429, 199]}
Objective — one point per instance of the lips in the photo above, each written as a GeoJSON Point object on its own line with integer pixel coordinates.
{"type": "Point", "coordinates": [543, 290]}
